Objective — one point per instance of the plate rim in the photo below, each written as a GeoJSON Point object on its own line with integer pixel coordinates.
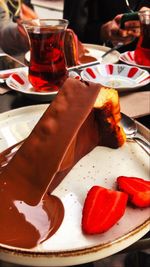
{"type": "Point", "coordinates": [130, 62]}
{"type": "Point", "coordinates": [90, 254]}
{"type": "Point", "coordinates": [123, 89]}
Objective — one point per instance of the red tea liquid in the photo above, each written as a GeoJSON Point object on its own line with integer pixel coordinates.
{"type": "Point", "coordinates": [142, 52]}
{"type": "Point", "coordinates": [47, 70]}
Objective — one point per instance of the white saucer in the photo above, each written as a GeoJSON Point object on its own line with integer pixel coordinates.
{"type": "Point", "coordinates": [128, 58]}
{"type": "Point", "coordinates": [27, 89]}
{"type": "Point", "coordinates": [120, 77]}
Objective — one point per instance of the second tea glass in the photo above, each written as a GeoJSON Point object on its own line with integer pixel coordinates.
{"type": "Point", "coordinates": [47, 67]}
{"type": "Point", "coordinates": [142, 51]}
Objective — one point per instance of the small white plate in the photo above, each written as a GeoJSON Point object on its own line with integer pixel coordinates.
{"type": "Point", "coordinates": [26, 88]}
{"type": "Point", "coordinates": [128, 58]}
{"type": "Point", "coordinates": [95, 51]}
{"type": "Point", "coordinates": [69, 246]}
{"type": "Point", "coordinates": [98, 50]}
{"type": "Point", "coordinates": [120, 77]}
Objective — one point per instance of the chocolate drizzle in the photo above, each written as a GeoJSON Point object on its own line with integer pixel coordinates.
{"type": "Point", "coordinates": [25, 179]}
{"type": "Point", "coordinates": [30, 224]}
{"type": "Point", "coordinates": [86, 58]}
{"type": "Point", "coordinates": [26, 226]}
{"type": "Point", "coordinates": [67, 131]}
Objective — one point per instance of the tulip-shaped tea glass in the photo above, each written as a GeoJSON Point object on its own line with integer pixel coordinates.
{"type": "Point", "coordinates": [47, 67]}
{"type": "Point", "coordinates": [142, 51]}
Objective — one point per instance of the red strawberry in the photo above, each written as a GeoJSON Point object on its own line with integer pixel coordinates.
{"type": "Point", "coordinates": [102, 209]}
{"type": "Point", "coordinates": [137, 189]}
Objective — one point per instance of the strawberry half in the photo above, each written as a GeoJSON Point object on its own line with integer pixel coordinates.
{"type": "Point", "coordinates": [138, 190]}
{"type": "Point", "coordinates": [102, 209]}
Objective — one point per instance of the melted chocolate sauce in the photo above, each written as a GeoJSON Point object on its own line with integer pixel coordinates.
{"type": "Point", "coordinates": [25, 219]}
{"type": "Point", "coordinates": [30, 225]}
{"type": "Point", "coordinates": [7, 154]}
{"type": "Point", "coordinates": [86, 59]}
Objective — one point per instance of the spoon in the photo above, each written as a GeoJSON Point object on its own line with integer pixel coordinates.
{"type": "Point", "coordinates": [116, 47]}
{"type": "Point", "coordinates": [119, 45]}
{"type": "Point", "coordinates": [128, 6]}
{"type": "Point", "coordinates": [130, 128]}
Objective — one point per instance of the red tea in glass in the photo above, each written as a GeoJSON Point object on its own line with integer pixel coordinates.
{"type": "Point", "coordinates": [47, 68]}
{"type": "Point", "coordinates": [142, 51]}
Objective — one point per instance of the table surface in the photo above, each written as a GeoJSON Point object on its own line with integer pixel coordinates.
{"type": "Point", "coordinates": [51, 4]}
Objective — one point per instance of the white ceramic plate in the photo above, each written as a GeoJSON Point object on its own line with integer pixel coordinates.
{"type": "Point", "coordinates": [128, 58]}
{"type": "Point", "coordinates": [120, 77]}
{"type": "Point", "coordinates": [94, 51]}
{"type": "Point", "coordinates": [97, 51]}
{"type": "Point", "coordinates": [27, 88]}
{"type": "Point", "coordinates": [69, 246]}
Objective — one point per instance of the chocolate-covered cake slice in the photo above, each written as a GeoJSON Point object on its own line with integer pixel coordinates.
{"type": "Point", "coordinates": [99, 128]}
{"type": "Point", "coordinates": [81, 117]}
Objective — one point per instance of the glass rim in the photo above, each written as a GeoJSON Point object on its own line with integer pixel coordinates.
{"type": "Point", "coordinates": [55, 22]}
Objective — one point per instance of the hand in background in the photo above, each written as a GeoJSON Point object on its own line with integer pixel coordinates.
{"type": "Point", "coordinates": [132, 27]}
{"type": "Point", "coordinates": [27, 13]}
{"type": "Point", "coordinates": [111, 31]}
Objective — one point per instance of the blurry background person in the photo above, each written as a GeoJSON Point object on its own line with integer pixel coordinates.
{"type": "Point", "coordinates": [13, 39]}
{"type": "Point", "coordinates": [98, 21]}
